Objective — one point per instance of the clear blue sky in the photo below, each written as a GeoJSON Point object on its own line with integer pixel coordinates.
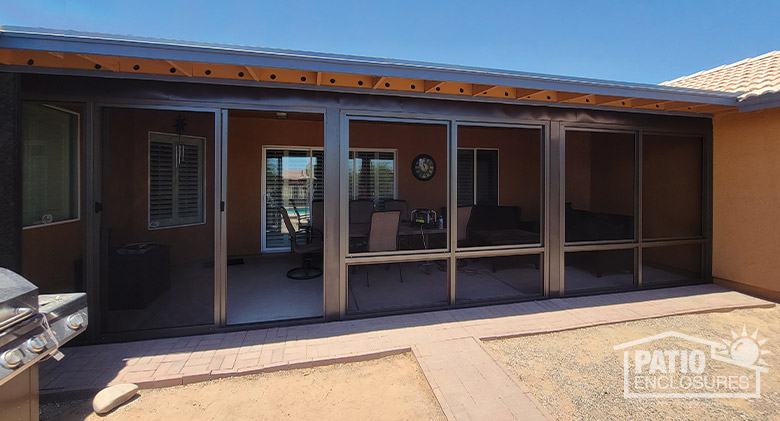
{"type": "Point", "coordinates": [630, 40]}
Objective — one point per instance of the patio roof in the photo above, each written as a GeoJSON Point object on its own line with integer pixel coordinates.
{"type": "Point", "coordinates": [40, 50]}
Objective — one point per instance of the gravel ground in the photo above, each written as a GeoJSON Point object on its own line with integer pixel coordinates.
{"type": "Point", "coordinates": [390, 388]}
{"type": "Point", "coordinates": [577, 375]}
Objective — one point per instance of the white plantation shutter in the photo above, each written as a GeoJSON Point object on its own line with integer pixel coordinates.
{"type": "Point", "coordinates": [383, 169]}
{"type": "Point", "coordinates": [465, 177]}
{"type": "Point", "coordinates": [190, 183]}
{"type": "Point", "coordinates": [176, 180]}
{"type": "Point", "coordinates": [161, 186]}
{"type": "Point", "coordinates": [318, 162]}
{"type": "Point", "coordinates": [372, 176]}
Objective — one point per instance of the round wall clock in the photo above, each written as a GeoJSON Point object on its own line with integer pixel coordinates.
{"type": "Point", "coordinates": [423, 167]}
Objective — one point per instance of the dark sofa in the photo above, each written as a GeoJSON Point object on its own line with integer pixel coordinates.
{"type": "Point", "coordinates": [499, 225]}
{"type": "Point", "coordinates": [584, 225]}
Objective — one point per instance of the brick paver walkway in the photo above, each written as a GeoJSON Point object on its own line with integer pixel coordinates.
{"type": "Point", "coordinates": [469, 383]}
{"type": "Point", "coordinates": [447, 344]}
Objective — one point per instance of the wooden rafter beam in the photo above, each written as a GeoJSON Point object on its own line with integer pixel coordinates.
{"type": "Point", "coordinates": [58, 55]}
{"type": "Point", "coordinates": [571, 96]}
{"type": "Point", "coordinates": [252, 73]}
{"type": "Point", "coordinates": [711, 108]}
{"type": "Point", "coordinates": [545, 95]}
{"type": "Point", "coordinates": [477, 89]}
{"type": "Point", "coordinates": [621, 102]}
{"type": "Point", "coordinates": [683, 106]}
{"type": "Point", "coordinates": [648, 103]}
{"type": "Point", "coordinates": [524, 93]}
{"type": "Point", "coordinates": [319, 78]}
{"type": "Point", "coordinates": [99, 62]}
{"type": "Point", "coordinates": [377, 80]}
{"type": "Point", "coordinates": [431, 85]}
{"type": "Point", "coordinates": [179, 67]}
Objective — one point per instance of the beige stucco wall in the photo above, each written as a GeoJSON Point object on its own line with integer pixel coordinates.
{"type": "Point", "coordinates": [746, 201]}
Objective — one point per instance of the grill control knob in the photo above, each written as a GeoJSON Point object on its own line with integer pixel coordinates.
{"type": "Point", "coordinates": [75, 321]}
{"type": "Point", "coordinates": [36, 343]}
{"type": "Point", "coordinates": [11, 358]}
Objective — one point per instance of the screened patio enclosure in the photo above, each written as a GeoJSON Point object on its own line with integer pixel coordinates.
{"type": "Point", "coordinates": [237, 198]}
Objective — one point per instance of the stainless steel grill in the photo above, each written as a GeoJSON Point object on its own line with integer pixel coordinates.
{"type": "Point", "coordinates": [32, 328]}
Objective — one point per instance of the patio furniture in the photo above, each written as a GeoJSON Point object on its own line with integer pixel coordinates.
{"type": "Point", "coordinates": [317, 220]}
{"type": "Point", "coordinates": [585, 225]}
{"type": "Point", "coordinates": [360, 211]}
{"type": "Point", "coordinates": [312, 246]}
{"type": "Point", "coordinates": [399, 205]}
{"type": "Point", "coordinates": [500, 225]}
{"type": "Point", "coordinates": [383, 235]}
{"type": "Point", "coordinates": [464, 214]}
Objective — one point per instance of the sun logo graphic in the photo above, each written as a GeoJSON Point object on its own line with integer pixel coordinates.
{"type": "Point", "coordinates": [677, 365]}
{"type": "Point", "coordinates": [745, 349]}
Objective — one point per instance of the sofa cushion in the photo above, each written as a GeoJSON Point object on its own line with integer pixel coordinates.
{"type": "Point", "coordinates": [487, 218]}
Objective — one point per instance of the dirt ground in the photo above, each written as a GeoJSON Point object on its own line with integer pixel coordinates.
{"type": "Point", "coordinates": [577, 375]}
{"type": "Point", "coordinates": [391, 388]}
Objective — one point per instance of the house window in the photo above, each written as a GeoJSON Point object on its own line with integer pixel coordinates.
{"type": "Point", "coordinates": [477, 177]}
{"type": "Point", "coordinates": [50, 164]}
{"type": "Point", "coordinates": [175, 180]}
{"type": "Point", "coordinates": [372, 176]}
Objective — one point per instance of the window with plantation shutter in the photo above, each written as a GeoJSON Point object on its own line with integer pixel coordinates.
{"type": "Point", "coordinates": [176, 180]}
{"type": "Point", "coordinates": [487, 177]}
{"type": "Point", "coordinates": [372, 176]}
{"type": "Point", "coordinates": [465, 177]}
{"type": "Point", "coordinates": [477, 177]}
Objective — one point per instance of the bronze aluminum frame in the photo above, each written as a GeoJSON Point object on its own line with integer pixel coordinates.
{"type": "Point", "coordinates": [452, 252]}
{"type": "Point", "coordinates": [638, 243]}
{"type": "Point", "coordinates": [96, 92]}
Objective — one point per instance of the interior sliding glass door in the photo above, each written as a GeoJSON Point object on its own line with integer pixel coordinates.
{"type": "Point", "coordinates": [293, 180]}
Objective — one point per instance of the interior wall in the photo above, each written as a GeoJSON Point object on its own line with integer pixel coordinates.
{"type": "Point", "coordinates": [746, 203]}
{"type": "Point", "coordinates": [578, 159]}
{"type": "Point", "coordinates": [612, 173]}
{"type": "Point", "coordinates": [246, 138]}
{"type": "Point", "coordinates": [52, 257]}
{"type": "Point", "coordinates": [126, 175]}
{"type": "Point", "coordinates": [600, 171]}
{"type": "Point", "coordinates": [672, 186]}
{"type": "Point", "coordinates": [519, 163]}
{"type": "Point", "coordinates": [410, 140]}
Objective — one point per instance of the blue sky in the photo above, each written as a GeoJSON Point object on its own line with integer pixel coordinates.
{"type": "Point", "coordinates": [637, 41]}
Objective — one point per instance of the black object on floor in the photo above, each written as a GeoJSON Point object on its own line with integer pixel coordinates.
{"type": "Point", "coordinates": [236, 261]}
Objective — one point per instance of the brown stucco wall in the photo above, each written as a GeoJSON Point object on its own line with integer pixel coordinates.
{"type": "Point", "coordinates": [746, 201]}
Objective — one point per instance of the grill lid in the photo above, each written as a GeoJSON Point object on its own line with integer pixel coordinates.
{"type": "Point", "coordinates": [18, 298]}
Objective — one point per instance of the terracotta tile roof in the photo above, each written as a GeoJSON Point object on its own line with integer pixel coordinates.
{"type": "Point", "coordinates": [749, 77]}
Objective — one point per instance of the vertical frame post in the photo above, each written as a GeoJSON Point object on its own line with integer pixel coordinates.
{"type": "Point", "coordinates": [334, 281]}
{"type": "Point", "coordinates": [452, 208]}
{"type": "Point", "coordinates": [556, 181]}
{"type": "Point", "coordinates": [220, 219]}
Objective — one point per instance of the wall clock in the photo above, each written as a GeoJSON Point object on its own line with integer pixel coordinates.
{"type": "Point", "coordinates": [423, 167]}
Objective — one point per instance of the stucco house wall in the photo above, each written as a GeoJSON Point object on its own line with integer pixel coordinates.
{"type": "Point", "coordinates": [746, 208]}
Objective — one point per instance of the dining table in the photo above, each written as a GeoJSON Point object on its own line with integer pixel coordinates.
{"type": "Point", "coordinates": [361, 230]}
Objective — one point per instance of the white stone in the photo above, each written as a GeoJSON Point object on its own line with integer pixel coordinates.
{"type": "Point", "coordinates": [113, 396]}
